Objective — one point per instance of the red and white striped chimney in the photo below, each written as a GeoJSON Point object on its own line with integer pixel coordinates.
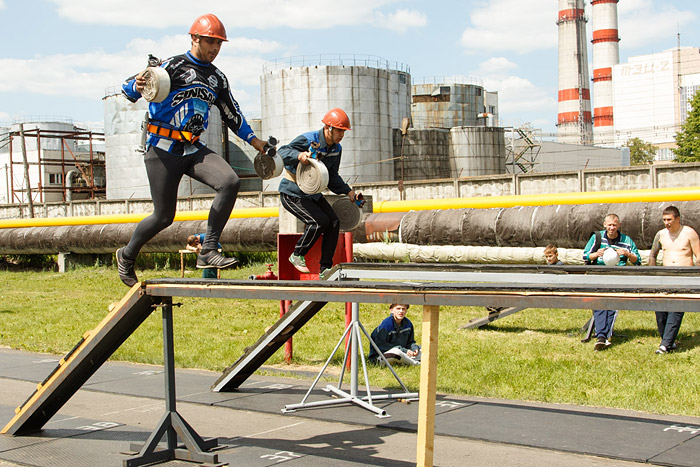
{"type": "Point", "coordinates": [606, 53]}
{"type": "Point", "coordinates": [574, 122]}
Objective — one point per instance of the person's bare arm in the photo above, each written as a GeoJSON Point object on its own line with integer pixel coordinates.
{"type": "Point", "coordinates": [655, 247]}
{"type": "Point", "coordinates": [694, 245]}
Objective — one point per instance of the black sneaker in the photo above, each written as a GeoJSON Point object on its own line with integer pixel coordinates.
{"type": "Point", "coordinates": [126, 269]}
{"type": "Point", "coordinates": [214, 259]}
{"type": "Point", "coordinates": [600, 344]}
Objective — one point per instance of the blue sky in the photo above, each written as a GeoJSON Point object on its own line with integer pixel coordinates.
{"type": "Point", "coordinates": [61, 55]}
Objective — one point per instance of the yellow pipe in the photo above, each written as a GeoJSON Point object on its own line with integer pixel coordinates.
{"type": "Point", "coordinates": [130, 218]}
{"type": "Point", "coordinates": [484, 202]}
{"type": "Point", "coordinates": [481, 202]}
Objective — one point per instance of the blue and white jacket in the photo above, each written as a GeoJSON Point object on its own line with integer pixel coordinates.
{"type": "Point", "coordinates": [194, 87]}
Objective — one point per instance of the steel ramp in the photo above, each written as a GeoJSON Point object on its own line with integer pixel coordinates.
{"type": "Point", "coordinates": [78, 365]}
{"type": "Point", "coordinates": [257, 354]}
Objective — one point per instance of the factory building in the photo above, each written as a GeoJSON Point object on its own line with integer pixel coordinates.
{"type": "Point", "coordinates": [651, 96]}
{"type": "Point", "coordinates": [60, 161]}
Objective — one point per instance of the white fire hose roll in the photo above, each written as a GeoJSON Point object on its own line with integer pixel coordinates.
{"type": "Point", "coordinates": [349, 213]}
{"type": "Point", "coordinates": [312, 178]}
{"type": "Point", "coordinates": [268, 167]}
{"type": "Point", "coordinates": [157, 85]}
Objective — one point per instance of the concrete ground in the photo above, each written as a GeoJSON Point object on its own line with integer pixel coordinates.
{"type": "Point", "coordinates": [122, 403]}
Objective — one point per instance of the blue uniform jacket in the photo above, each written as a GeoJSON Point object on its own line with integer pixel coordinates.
{"type": "Point", "coordinates": [194, 87]}
{"type": "Point", "coordinates": [387, 336]}
{"type": "Point", "coordinates": [328, 155]}
{"type": "Point", "coordinates": [622, 241]}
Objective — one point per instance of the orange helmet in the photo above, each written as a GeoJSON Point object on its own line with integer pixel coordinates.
{"type": "Point", "coordinates": [209, 26]}
{"type": "Point", "coordinates": [337, 119]}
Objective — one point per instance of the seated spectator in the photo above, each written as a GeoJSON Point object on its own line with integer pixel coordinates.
{"type": "Point", "coordinates": [194, 243]}
{"type": "Point", "coordinates": [395, 339]}
{"type": "Point", "coordinates": [551, 255]}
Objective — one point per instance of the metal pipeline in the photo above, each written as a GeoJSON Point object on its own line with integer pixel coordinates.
{"type": "Point", "coordinates": [244, 213]}
{"type": "Point", "coordinates": [484, 202]}
{"type": "Point", "coordinates": [565, 225]}
{"type": "Point", "coordinates": [252, 234]}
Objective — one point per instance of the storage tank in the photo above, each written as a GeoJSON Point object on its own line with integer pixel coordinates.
{"type": "Point", "coordinates": [448, 102]}
{"type": "Point", "coordinates": [477, 151]}
{"type": "Point", "coordinates": [422, 154]}
{"type": "Point", "coordinates": [297, 92]}
{"type": "Point", "coordinates": [125, 171]}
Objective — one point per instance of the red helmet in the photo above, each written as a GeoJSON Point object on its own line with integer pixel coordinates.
{"type": "Point", "coordinates": [337, 119]}
{"type": "Point", "coordinates": [209, 26]}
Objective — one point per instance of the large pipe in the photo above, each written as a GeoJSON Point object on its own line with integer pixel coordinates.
{"type": "Point", "coordinates": [484, 202]}
{"type": "Point", "coordinates": [244, 213]}
{"type": "Point", "coordinates": [567, 226]}
{"type": "Point", "coordinates": [253, 234]}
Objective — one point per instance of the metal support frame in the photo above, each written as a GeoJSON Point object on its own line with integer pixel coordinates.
{"type": "Point", "coordinates": [366, 402]}
{"type": "Point", "coordinates": [493, 316]}
{"type": "Point", "coordinates": [172, 424]}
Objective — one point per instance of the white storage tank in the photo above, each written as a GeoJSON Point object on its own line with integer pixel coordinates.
{"type": "Point", "coordinates": [125, 171]}
{"type": "Point", "coordinates": [477, 151]}
{"type": "Point", "coordinates": [296, 93]}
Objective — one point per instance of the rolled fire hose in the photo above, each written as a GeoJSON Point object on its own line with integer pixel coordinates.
{"type": "Point", "coordinates": [157, 85]}
{"type": "Point", "coordinates": [349, 213]}
{"type": "Point", "coordinates": [312, 178]}
{"type": "Point", "coordinates": [268, 167]}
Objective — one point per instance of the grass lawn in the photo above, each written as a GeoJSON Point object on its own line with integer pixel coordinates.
{"type": "Point", "coordinates": [533, 355]}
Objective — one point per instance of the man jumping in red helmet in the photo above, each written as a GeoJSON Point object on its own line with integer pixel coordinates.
{"type": "Point", "coordinates": [174, 147]}
{"type": "Point", "coordinates": [313, 209]}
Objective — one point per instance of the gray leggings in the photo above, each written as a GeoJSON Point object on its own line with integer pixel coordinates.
{"type": "Point", "coordinates": [164, 174]}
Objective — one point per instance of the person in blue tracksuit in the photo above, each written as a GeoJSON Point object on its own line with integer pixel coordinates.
{"type": "Point", "coordinates": [611, 237]}
{"type": "Point", "coordinates": [313, 209]}
{"type": "Point", "coordinates": [174, 147]}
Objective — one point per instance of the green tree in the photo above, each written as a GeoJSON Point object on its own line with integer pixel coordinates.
{"type": "Point", "coordinates": [688, 138]}
{"type": "Point", "coordinates": [641, 152]}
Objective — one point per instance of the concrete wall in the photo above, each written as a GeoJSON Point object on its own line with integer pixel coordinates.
{"type": "Point", "coordinates": [624, 178]}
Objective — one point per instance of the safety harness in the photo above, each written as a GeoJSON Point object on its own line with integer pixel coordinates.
{"type": "Point", "coordinates": [171, 133]}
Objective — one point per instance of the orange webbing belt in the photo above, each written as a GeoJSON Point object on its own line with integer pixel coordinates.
{"type": "Point", "coordinates": [170, 133]}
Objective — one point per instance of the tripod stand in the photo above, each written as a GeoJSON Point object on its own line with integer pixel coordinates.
{"type": "Point", "coordinates": [354, 328]}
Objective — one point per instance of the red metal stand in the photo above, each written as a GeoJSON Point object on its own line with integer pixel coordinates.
{"type": "Point", "coordinates": [285, 247]}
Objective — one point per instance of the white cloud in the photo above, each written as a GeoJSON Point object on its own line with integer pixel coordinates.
{"type": "Point", "coordinates": [265, 14]}
{"type": "Point", "coordinates": [2, 5]}
{"type": "Point", "coordinates": [401, 20]}
{"type": "Point", "coordinates": [511, 25]}
{"type": "Point", "coordinates": [87, 75]}
{"type": "Point", "coordinates": [516, 94]}
{"type": "Point", "coordinates": [643, 23]}
{"type": "Point", "coordinates": [495, 66]}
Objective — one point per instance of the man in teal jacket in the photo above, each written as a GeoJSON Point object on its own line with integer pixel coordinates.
{"type": "Point", "coordinates": [611, 237]}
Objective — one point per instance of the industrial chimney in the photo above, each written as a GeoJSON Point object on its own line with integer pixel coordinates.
{"type": "Point", "coordinates": [606, 53]}
{"type": "Point", "coordinates": [574, 120]}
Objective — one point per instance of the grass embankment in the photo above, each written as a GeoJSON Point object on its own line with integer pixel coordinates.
{"type": "Point", "coordinates": [532, 355]}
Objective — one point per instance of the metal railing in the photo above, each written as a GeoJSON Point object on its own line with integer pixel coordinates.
{"type": "Point", "coordinates": [371, 61]}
